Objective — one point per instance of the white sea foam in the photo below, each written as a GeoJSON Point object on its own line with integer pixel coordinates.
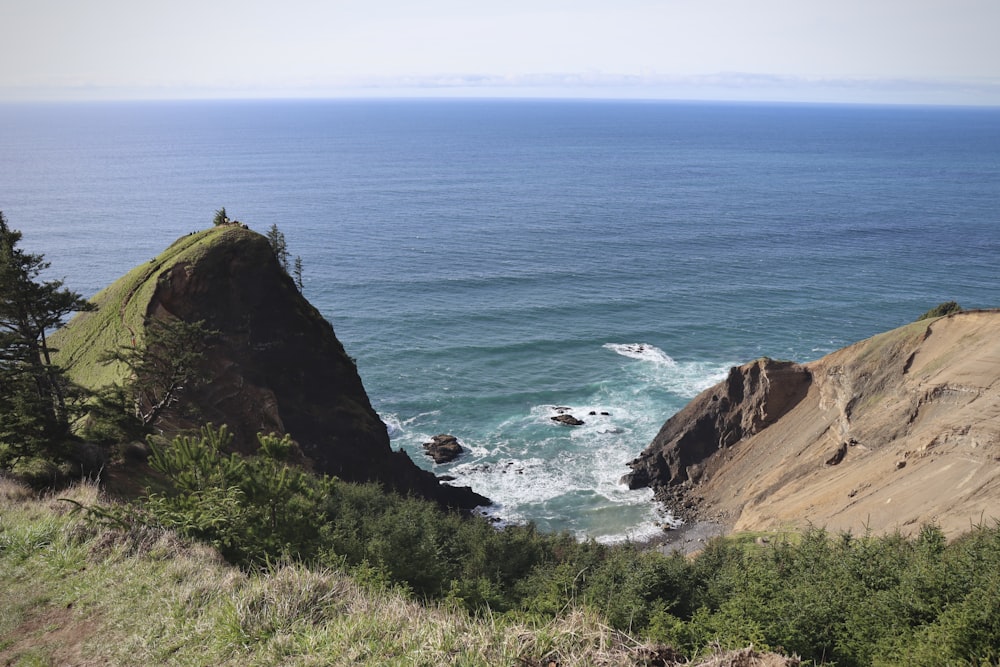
{"type": "Point", "coordinates": [575, 479]}
{"type": "Point", "coordinates": [397, 426]}
{"type": "Point", "coordinates": [393, 425]}
{"type": "Point", "coordinates": [556, 475]}
{"type": "Point", "coordinates": [643, 352]}
{"type": "Point", "coordinates": [687, 378]}
{"type": "Point", "coordinates": [514, 482]}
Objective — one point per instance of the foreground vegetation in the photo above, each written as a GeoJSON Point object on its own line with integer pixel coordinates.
{"type": "Point", "coordinates": [72, 593]}
{"type": "Point", "coordinates": [831, 599]}
{"type": "Point", "coordinates": [136, 593]}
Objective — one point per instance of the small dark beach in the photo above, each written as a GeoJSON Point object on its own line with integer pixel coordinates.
{"type": "Point", "coordinates": [688, 538]}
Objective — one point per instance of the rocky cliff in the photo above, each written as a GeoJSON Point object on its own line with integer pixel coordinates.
{"type": "Point", "coordinates": [275, 365]}
{"type": "Point", "coordinates": [890, 433]}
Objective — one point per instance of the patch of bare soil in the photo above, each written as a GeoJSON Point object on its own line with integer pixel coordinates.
{"type": "Point", "coordinates": [57, 634]}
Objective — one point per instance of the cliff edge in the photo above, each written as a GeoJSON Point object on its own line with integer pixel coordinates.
{"type": "Point", "coordinates": [890, 433]}
{"type": "Point", "coordinates": [274, 366]}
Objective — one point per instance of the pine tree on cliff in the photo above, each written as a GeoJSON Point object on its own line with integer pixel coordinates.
{"type": "Point", "coordinates": [277, 240]}
{"type": "Point", "coordinates": [168, 364]}
{"type": "Point", "coordinates": [297, 273]}
{"type": "Point", "coordinates": [280, 247]}
{"type": "Point", "coordinates": [34, 392]}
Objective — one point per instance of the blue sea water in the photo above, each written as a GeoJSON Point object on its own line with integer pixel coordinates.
{"type": "Point", "coordinates": [489, 261]}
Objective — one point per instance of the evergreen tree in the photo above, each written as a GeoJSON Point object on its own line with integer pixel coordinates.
{"type": "Point", "coordinates": [34, 393]}
{"type": "Point", "coordinates": [220, 217]}
{"type": "Point", "coordinates": [277, 240]}
{"type": "Point", "coordinates": [297, 274]}
{"type": "Point", "coordinates": [169, 364]}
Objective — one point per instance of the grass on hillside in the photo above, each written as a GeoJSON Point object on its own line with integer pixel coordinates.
{"type": "Point", "coordinates": [121, 311]}
{"type": "Point", "coordinates": [74, 594]}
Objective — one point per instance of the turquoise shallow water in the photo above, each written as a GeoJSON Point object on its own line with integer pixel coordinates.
{"type": "Point", "coordinates": [488, 261]}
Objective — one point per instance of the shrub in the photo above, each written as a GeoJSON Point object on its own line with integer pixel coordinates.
{"type": "Point", "coordinates": [940, 310]}
{"type": "Point", "coordinates": [852, 601]}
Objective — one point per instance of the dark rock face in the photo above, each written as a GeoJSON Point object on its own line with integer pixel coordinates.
{"type": "Point", "coordinates": [838, 455]}
{"type": "Point", "coordinates": [277, 366]}
{"type": "Point", "coordinates": [568, 420]}
{"type": "Point", "coordinates": [443, 448]}
{"type": "Point", "coordinates": [754, 396]}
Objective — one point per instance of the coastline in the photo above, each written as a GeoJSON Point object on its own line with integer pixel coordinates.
{"type": "Point", "coordinates": [688, 538]}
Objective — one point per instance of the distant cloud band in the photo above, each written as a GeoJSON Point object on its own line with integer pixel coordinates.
{"type": "Point", "coordinates": [740, 86]}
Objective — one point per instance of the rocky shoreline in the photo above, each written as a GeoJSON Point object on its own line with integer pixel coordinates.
{"type": "Point", "coordinates": [688, 538]}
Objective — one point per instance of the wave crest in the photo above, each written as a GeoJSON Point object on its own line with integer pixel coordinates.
{"type": "Point", "coordinates": [642, 352]}
{"type": "Point", "coordinates": [397, 426]}
{"type": "Point", "coordinates": [685, 378]}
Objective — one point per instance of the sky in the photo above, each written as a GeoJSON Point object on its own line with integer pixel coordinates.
{"type": "Point", "coordinates": [865, 51]}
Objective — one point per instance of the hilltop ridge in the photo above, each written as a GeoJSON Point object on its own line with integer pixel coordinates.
{"type": "Point", "coordinates": [275, 365]}
{"type": "Point", "coordinates": [889, 433]}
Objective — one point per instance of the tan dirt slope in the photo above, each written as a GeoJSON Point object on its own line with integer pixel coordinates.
{"type": "Point", "coordinates": [892, 432]}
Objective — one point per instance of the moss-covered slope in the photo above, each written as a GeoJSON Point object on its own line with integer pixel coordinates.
{"type": "Point", "coordinates": [122, 308]}
{"type": "Point", "coordinates": [276, 366]}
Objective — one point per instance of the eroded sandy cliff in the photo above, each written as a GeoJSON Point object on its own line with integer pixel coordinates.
{"type": "Point", "coordinates": [892, 432]}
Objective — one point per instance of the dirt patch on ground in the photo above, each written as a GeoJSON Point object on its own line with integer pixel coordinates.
{"type": "Point", "coordinates": [58, 636]}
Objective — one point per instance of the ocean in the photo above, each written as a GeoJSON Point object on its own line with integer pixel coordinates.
{"type": "Point", "coordinates": [488, 262]}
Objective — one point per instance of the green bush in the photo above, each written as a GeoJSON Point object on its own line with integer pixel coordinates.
{"type": "Point", "coordinates": [834, 600]}
{"type": "Point", "coordinates": [259, 508]}
{"type": "Point", "coordinates": [940, 310]}
{"type": "Point", "coordinates": [630, 586]}
{"type": "Point", "coordinates": [253, 509]}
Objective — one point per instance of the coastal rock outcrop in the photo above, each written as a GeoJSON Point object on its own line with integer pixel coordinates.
{"type": "Point", "coordinates": [275, 364]}
{"type": "Point", "coordinates": [887, 434]}
{"type": "Point", "coordinates": [750, 399]}
{"type": "Point", "coordinates": [567, 419]}
{"type": "Point", "coordinates": [443, 448]}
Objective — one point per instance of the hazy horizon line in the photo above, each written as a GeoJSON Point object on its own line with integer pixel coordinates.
{"type": "Point", "coordinates": [723, 86]}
